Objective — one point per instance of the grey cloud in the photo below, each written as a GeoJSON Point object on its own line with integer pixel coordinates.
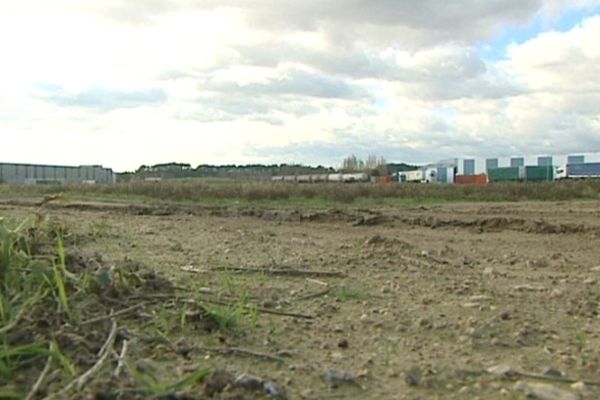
{"type": "Point", "coordinates": [298, 93]}
{"type": "Point", "coordinates": [468, 88]}
{"type": "Point", "coordinates": [294, 83]}
{"type": "Point", "coordinates": [227, 106]}
{"type": "Point", "coordinates": [419, 21]}
{"type": "Point", "coordinates": [423, 20]}
{"type": "Point", "coordinates": [99, 98]}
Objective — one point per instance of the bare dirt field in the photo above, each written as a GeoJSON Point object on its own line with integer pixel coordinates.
{"type": "Point", "coordinates": [459, 301]}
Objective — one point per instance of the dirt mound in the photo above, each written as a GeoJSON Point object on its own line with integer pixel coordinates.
{"type": "Point", "coordinates": [497, 224]}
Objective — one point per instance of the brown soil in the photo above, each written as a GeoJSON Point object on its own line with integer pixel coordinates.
{"type": "Point", "coordinates": [391, 304]}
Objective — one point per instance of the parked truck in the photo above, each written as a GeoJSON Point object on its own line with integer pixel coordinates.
{"type": "Point", "coordinates": [417, 175]}
{"type": "Point", "coordinates": [537, 173]}
{"type": "Point", "coordinates": [574, 171]}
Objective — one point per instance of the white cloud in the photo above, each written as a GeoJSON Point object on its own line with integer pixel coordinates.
{"type": "Point", "coordinates": [124, 83]}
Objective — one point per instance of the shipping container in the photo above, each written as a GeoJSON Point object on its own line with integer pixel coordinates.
{"type": "Point", "coordinates": [504, 174]}
{"type": "Point", "coordinates": [385, 180]}
{"type": "Point", "coordinates": [411, 176]}
{"type": "Point", "coordinates": [479, 179]}
{"type": "Point", "coordinates": [537, 173]}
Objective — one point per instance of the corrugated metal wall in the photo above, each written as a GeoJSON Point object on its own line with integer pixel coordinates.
{"type": "Point", "coordinates": [31, 173]}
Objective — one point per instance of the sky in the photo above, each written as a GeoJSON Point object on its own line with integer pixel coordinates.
{"type": "Point", "coordinates": [123, 83]}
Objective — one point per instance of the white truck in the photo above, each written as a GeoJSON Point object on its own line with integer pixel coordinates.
{"type": "Point", "coordinates": [418, 175]}
{"type": "Point", "coordinates": [575, 171]}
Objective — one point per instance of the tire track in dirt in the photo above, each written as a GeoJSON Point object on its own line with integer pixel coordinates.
{"type": "Point", "coordinates": [354, 217]}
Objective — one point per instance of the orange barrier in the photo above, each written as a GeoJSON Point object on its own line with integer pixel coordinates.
{"type": "Point", "coordinates": [480, 179]}
{"type": "Point", "coordinates": [385, 180]}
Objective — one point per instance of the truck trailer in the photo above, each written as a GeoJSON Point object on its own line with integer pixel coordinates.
{"type": "Point", "coordinates": [578, 171]}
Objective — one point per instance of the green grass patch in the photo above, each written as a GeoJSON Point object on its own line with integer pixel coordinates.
{"type": "Point", "coordinates": [350, 292]}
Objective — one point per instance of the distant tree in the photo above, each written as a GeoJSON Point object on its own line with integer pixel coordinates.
{"type": "Point", "coordinates": [373, 163]}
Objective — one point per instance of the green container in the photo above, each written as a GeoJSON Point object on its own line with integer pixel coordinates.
{"type": "Point", "coordinates": [539, 173]}
{"type": "Point", "coordinates": [503, 174]}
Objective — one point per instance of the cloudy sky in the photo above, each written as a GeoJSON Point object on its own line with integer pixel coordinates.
{"type": "Point", "coordinates": [124, 83]}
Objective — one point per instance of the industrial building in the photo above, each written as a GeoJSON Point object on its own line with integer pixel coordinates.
{"type": "Point", "coordinates": [480, 170]}
{"type": "Point", "coordinates": [54, 174]}
{"type": "Point", "coordinates": [479, 165]}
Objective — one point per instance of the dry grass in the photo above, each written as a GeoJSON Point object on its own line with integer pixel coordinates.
{"type": "Point", "coordinates": [219, 191]}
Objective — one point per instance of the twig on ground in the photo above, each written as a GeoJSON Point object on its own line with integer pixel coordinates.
{"type": "Point", "coordinates": [229, 304]}
{"type": "Point", "coordinates": [318, 282]}
{"type": "Point", "coordinates": [40, 379]}
{"type": "Point", "coordinates": [311, 295]}
{"type": "Point", "coordinates": [113, 314]}
{"type": "Point", "coordinates": [259, 309]}
{"type": "Point", "coordinates": [13, 323]}
{"type": "Point", "coordinates": [269, 271]}
{"type": "Point", "coordinates": [80, 382]}
{"type": "Point", "coordinates": [121, 359]}
{"type": "Point", "coordinates": [240, 351]}
{"type": "Point", "coordinates": [510, 373]}
{"type": "Point", "coordinates": [556, 378]}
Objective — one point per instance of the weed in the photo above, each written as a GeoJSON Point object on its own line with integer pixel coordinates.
{"type": "Point", "coordinates": [44, 289]}
{"type": "Point", "coordinates": [149, 385]}
{"type": "Point", "coordinates": [354, 292]}
{"type": "Point", "coordinates": [227, 318]}
{"type": "Point", "coordinates": [322, 194]}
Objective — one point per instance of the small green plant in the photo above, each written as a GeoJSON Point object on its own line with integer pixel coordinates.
{"type": "Point", "coordinates": [150, 385]}
{"type": "Point", "coordinates": [227, 318]}
{"type": "Point", "coordinates": [354, 292]}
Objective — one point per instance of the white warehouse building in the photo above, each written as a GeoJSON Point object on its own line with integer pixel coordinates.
{"type": "Point", "coordinates": [481, 165]}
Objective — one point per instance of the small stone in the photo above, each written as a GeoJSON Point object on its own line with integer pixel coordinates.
{"type": "Point", "coordinates": [334, 376]}
{"type": "Point", "coordinates": [504, 315]}
{"type": "Point", "coordinates": [503, 370]}
{"type": "Point", "coordinates": [413, 377]}
{"type": "Point", "coordinates": [538, 263]}
{"type": "Point", "coordinates": [474, 333]}
{"type": "Point", "coordinates": [489, 271]}
{"type": "Point", "coordinates": [145, 365]}
{"type": "Point", "coordinates": [552, 372]}
{"type": "Point", "coordinates": [248, 381]}
{"type": "Point", "coordinates": [273, 391]}
{"type": "Point", "coordinates": [579, 386]}
{"type": "Point", "coordinates": [343, 344]}
{"type": "Point", "coordinates": [425, 322]}
{"type": "Point", "coordinates": [269, 304]}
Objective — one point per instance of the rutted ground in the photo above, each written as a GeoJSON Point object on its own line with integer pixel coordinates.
{"type": "Point", "coordinates": [427, 299]}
